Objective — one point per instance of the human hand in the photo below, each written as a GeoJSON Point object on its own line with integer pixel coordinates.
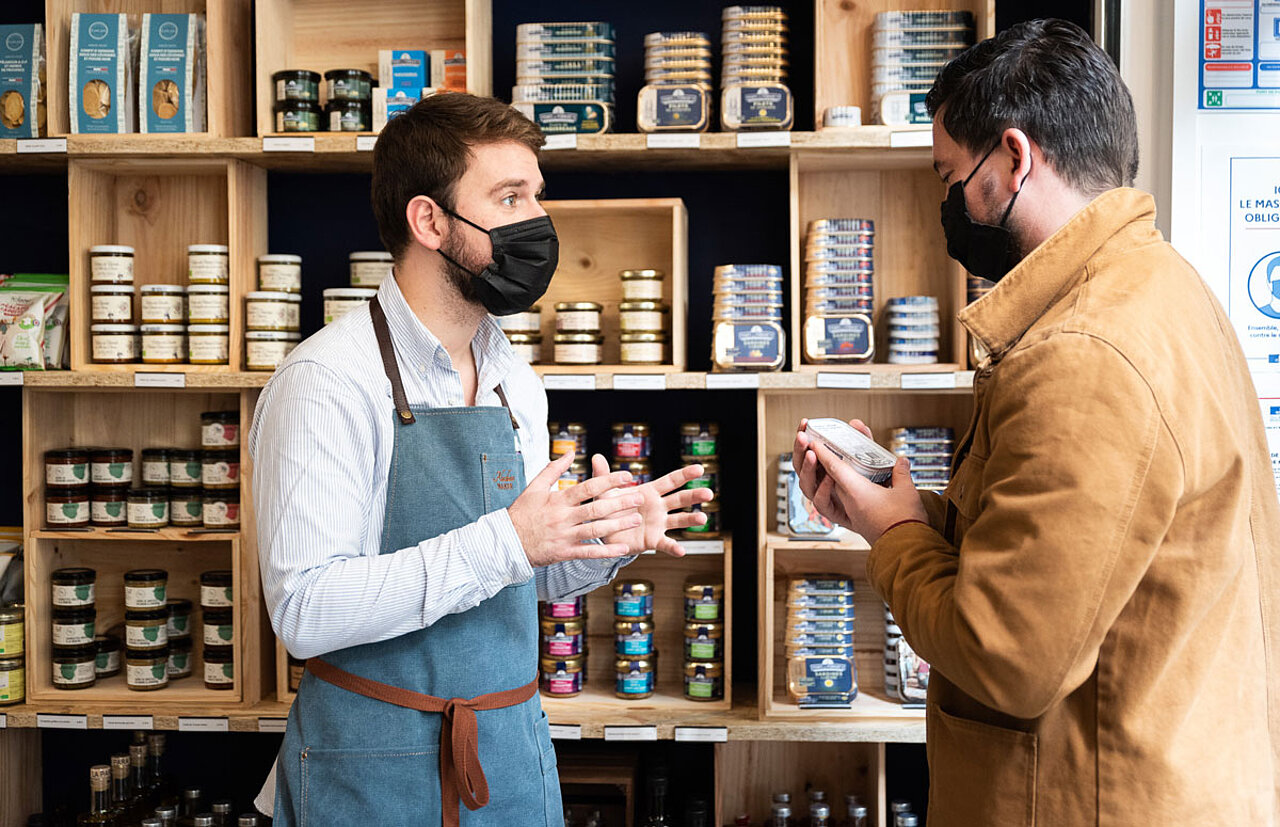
{"type": "Point", "coordinates": [656, 508]}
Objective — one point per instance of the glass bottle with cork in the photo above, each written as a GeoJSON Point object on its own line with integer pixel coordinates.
{"type": "Point", "coordinates": [160, 789]}
{"type": "Point", "coordinates": [855, 812]}
{"type": "Point", "coordinates": [100, 813]}
{"type": "Point", "coordinates": [121, 792]}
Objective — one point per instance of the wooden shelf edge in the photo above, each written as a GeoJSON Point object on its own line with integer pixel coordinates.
{"type": "Point", "coordinates": [168, 535]}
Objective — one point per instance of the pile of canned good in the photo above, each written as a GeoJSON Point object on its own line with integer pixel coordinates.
{"type": "Point", "coordinates": [839, 290]}
{"type": "Point", "coordinates": [565, 76]}
{"type": "Point", "coordinates": [753, 79]}
{"type": "Point", "coordinates": [914, 330]}
{"type": "Point", "coordinates": [929, 451]}
{"type": "Point", "coordinates": [821, 672]}
{"type": "Point", "coordinates": [909, 48]}
{"type": "Point", "coordinates": [677, 92]}
{"type": "Point", "coordinates": [746, 318]}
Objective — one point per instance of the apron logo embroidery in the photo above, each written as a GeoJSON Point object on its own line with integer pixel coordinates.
{"type": "Point", "coordinates": [505, 480]}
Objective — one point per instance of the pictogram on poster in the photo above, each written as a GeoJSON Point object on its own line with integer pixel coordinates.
{"type": "Point", "coordinates": [1253, 287]}
{"type": "Point", "coordinates": [1239, 54]}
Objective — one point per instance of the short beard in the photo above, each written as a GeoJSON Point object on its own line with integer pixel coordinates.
{"type": "Point", "coordinates": [459, 279]}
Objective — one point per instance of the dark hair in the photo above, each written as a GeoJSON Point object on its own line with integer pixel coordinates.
{"type": "Point", "coordinates": [426, 150]}
{"type": "Point", "coordinates": [1049, 79]}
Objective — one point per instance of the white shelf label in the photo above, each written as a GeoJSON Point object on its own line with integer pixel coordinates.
{"type": "Point", "coordinates": [702, 734]}
{"type": "Point", "coordinates": [569, 141]}
{"type": "Point", "coordinates": [202, 725]}
{"type": "Point", "coordinates": [44, 721]}
{"type": "Point", "coordinates": [4, 721]}
{"type": "Point", "coordinates": [566, 732]}
{"type": "Point", "coordinates": [288, 144]}
{"type": "Point", "coordinates": [758, 140]}
{"type": "Point", "coordinates": [928, 381]}
{"type": "Point", "coordinates": [631, 733]}
{"type": "Point", "coordinates": [639, 382]}
{"type": "Point", "coordinates": [159, 380]}
{"type": "Point", "coordinates": [733, 381]}
{"type": "Point", "coordinates": [12, 377]}
{"type": "Point", "coordinates": [35, 146]}
{"type": "Point", "coordinates": [669, 141]}
{"type": "Point", "coordinates": [703, 546]}
{"type": "Point", "coordinates": [365, 143]}
{"type": "Point", "coordinates": [964, 378]}
{"type": "Point", "coordinates": [855, 381]}
{"type": "Point", "coordinates": [914, 138]}
{"type": "Point", "coordinates": [569, 382]}
{"type": "Point", "coordinates": [272, 724]}
{"type": "Point", "coordinates": [127, 722]}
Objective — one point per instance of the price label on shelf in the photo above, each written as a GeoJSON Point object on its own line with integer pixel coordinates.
{"type": "Point", "coordinates": [639, 382]}
{"type": "Point", "coordinates": [41, 146]}
{"type": "Point", "coordinates": [128, 722]}
{"type": "Point", "coordinates": [569, 381]}
{"type": "Point", "coordinates": [45, 721]}
{"type": "Point", "coordinates": [569, 141]}
{"type": "Point", "coordinates": [366, 143]}
{"type": "Point", "coordinates": [12, 377]}
{"type": "Point", "coordinates": [733, 381]}
{"type": "Point", "coordinates": [159, 380]}
{"type": "Point", "coordinates": [852, 381]}
{"type": "Point", "coordinates": [4, 721]}
{"type": "Point", "coordinates": [759, 140]}
{"type": "Point", "coordinates": [673, 141]}
{"type": "Point", "coordinates": [928, 381]}
{"type": "Point", "coordinates": [703, 546]}
{"type": "Point", "coordinates": [203, 725]}
{"type": "Point", "coordinates": [913, 138]}
{"type": "Point", "coordinates": [272, 724]}
{"type": "Point", "coordinates": [566, 732]}
{"type": "Point", "coordinates": [631, 733]}
{"type": "Point", "coordinates": [288, 144]}
{"type": "Point", "coordinates": [702, 734]}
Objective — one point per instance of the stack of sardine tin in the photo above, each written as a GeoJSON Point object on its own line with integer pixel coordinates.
{"type": "Point", "coordinates": [564, 76]}
{"type": "Point", "coordinates": [909, 48]}
{"type": "Point", "coordinates": [914, 330]}
{"type": "Point", "coordinates": [746, 320]}
{"type": "Point", "coordinates": [753, 80]}
{"type": "Point", "coordinates": [929, 450]}
{"type": "Point", "coordinates": [677, 75]}
{"type": "Point", "coordinates": [839, 294]}
{"type": "Point", "coordinates": [906, 674]}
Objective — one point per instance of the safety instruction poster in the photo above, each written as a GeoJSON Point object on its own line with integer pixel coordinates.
{"type": "Point", "coordinates": [1253, 265]}
{"type": "Point", "coordinates": [1239, 54]}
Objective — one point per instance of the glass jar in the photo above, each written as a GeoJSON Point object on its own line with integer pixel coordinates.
{"type": "Point", "coordinates": [642, 317]}
{"type": "Point", "coordinates": [113, 344]}
{"type": "Point", "coordinates": [109, 507]}
{"type": "Point", "coordinates": [219, 629]}
{"type": "Point", "coordinates": [633, 600]}
{"type": "Point", "coordinates": [266, 350]}
{"type": "Point", "coordinates": [578, 317]}
{"type": "Point", "coordinates": [146, 670]}
{"type": "Point", "coordinates": [221, 509]}
{"type": "Point", "coordinates": [711, 528]}
{"type": "Point", "coordinates": [703, 601]}
{"type": "Point", "coordinates": [111, 467]}
{"type": "Point", "coordinates": [215, 590]}
{"type": "Point", "coordinates": [634, 678]}
{"type": "Point", "coordinates": [348, 84]}
{"type": "Point", "coordinates": [148, 508]}
{"type": "Point", "coordinates": [640, 470]}
{"type": "Point", "coordinates": [164, 344]}
{"type": "Point", "coordinates": [349, 116]}
{"type": "Point", "coordinates": [186, 507]}
{"type": "Point", "coordinates": [704, 641]}
{"type": "Point", "coordinates": [12, 631]}
{"type": "Point", "coordinates": [578, 472]}
{"type": "Point", "coordinates": [562, 638]}
{"type": "Point", "coordinates": [220, 429]}
{"type": "Point", "coordinates": [643, 348]}
{"type": "Point", "coordinates": [526, 346]}
{"type": "Point", "coordinates": [567, 436]}
{"type": "Point", "coordinates": [73, 587]}
{"type": "Point", "coordinates": [66, 468]}
{"type": "Point", "coordinates": [163, 303]}
{"type": "Point", "coordinates": [633, 638]}
{"type": "Point", "coordinates": [219, 667]}
{"type": "Point", "coordinates": [631, 440]}
{"type": "Point", "coordinates": [74, 667]}
{"type": "Point", "coordinates": [145, 589]}
{"type": "Point", "coordinates": [209, 344]}
{"type": "Point", "coordinates": [185, 468]}
{"type": "Point", "coordinates": [13, 681]}
{"type": "Point", "coordinates": [180, 658]}
{"type": "Point", "coordinates": [106, 662]}
{"type": "Point", "coordinates": [296, 85]}
{"type": "Point", "coordinates": [562, 677]}
{"type": "Point", "coordinates": [208, 264]}
{"type": "Point", "coordinates": [281, 312]}
{"type": "Point", "coordinates": [221, 470]}
{"type": "Point", "coordinates": [111, 264]}
{"type": "Point", "coordinates": [339, 301]}
{"type": "Point", "coordinates": [278, 273]}
{"type": "Point", "coordinates": [699, 441]}
{"type": "Point", "coordinates": [703, 680]}
{"type": "Point", "coordinates": [579, 349]}
{"type": "Point", "coordinates": [710, 477]}
{"type": "Point", "coordinates": [66, 507]}
{"type": "Point", "coordinates": [179, 618]}
{"type": "Point", "coordinates": [111, 303]}
{"type": "Point", "coordinates": [74, 627]}
{"type": "Point", "coordinates": [297, 116]}
{"type": "Point", "coordinates": [573, 608]}
{"type": "Point", "coordinates": [641, 285]}
{"type": "Point", "coordinates": [209, 304]}
{"type": "Point", "coordinates": [527, 321]}
{"type": "Point", "coordinates": [146, 628]}
{"type": "Point", "coordinates": [155, 466]}
{"type": "Point", "coordinates": [370, 268]}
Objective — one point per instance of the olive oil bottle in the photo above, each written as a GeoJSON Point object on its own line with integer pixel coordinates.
{"type": "Point", "coordinates": [100, 814]}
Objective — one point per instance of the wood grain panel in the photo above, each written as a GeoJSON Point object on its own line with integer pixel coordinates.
{"type": "Point", "coordinates": [20, 783]}
{"type": "Point", "coordinates": [750, 773]}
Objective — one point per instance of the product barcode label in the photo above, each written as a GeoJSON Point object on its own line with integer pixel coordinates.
{"type": "Point", "coordinates": [44, 721]}
{"type": "Point", "coordinates": [914, 138]}
{"type": "Point", "coordinates": [631, 733]}
{"type": "Point", "coordinates": [12, 377]}
{"type": "Point", "coordinates": [202, 725]}
{"type": "Point", "coordinates": [4, 721]}
{"type": "Point", "coordinates": [272, 724]}
{"type": "Point", "coordinates": [128, 722]}
{"type": "Point", "coordinates": [670, 141]}
{"type": "Point", "coordinates": [702, 734]}
{"type": "Point", "coordinates": [566, 732]}
{"type": "Point", "coordinates": [732, 381]}
{"type": "Point", "coordinates": [928, 381]}
{"type": "Point", "coordinates": [365, 143]}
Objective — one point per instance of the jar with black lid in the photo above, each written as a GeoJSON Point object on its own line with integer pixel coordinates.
{"type": "Point", "coordinates": [296, 85]}
{"type": "Point", "coordinates": [220, 429]}
{"type": "Point", "coordinates": [73, 587]}
{"type": "Point", "coordinates": [66, 468]}
{"type": "Point", "coordinates": [145, 589]}
{"type": "Point", "coordinates": [349, 85]}
{"type": "Point", "coordinates": [148, 508]}
{"type": "Point", "coordinates": [219, 667]}
{"type": "Point", "coordinates": [185, 468]}
{"type": "Point", "coordinates": [219, 629]}
{"type": "Point", "coordinates": [186, 507]}
{"type": "Point", "coordinates": [221, 509]}
{"type": "Point", "coordinates": [146, 628]}
{"type": "Point", "coordinates": [215, 590]}
{"type": "Point", "coordinates": [179, 609]}
{"type": "Point", "coordinates": [74, 667]}
{"type": "Point", "coordinates": [109, 507]}
{"type": "Point", "coordinates": [147, 669]}
{"type": "Point", "coordinates": [74, 627]}
{"type": "Point", "coordinates": [349, 116]}
{"type": "Point", "coordinates": [111, 467]}
{"type": "Point", "coordinates": [155, 466]}
{"type": "Point", "coordinates": [221, 470]}
{"type": "Point", "coordinates": [107, 657]}
{"type": "Point", "coordinates": [297, 116]}
{"type": "Point", "coordinates": [66, 507]}
{"type": "Point", "coordinates": [180, 658]}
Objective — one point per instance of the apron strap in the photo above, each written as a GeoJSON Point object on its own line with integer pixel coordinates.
{"type": "Point", "coordinates": [502, 395]}
{"type": "Point", "coordinates": [461, 776]}
{"type": "Point", "coordinates": [389, 364]}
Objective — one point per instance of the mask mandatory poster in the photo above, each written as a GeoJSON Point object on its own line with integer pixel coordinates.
{"type": "Point", "coordinates": [1253, 268]}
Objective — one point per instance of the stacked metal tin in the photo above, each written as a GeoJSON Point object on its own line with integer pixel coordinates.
{"type": "Point", "coordinates": [821, 672]}
{"type": "Point", "coordinates": [562, 651]}
{"type": "Point", "coordinates": [746, 318]}
{"type": "Point", "coordinates": [914, 330]}
{"type": "Point", "coordinates": [753, 80]}
{"type": "Point", "coordinates": [909, 48]}
{"type": "Point", "coordinates": [839, 290]}
{"type": "Point", "coordinates": [929, 451]}
{"type": "Point", "coordinates": [677, 75]}
{"type": "Point", "coordinates": [565, 76]}
{"type": "Point", "coordinates": [906, 674]}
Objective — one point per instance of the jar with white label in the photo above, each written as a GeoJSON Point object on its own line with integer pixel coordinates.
{"type": "Point", "coordinates": [527, 321]}
{"type": "Point", "coordinates": [280, 273]}
{"type": "Point", "coordinates": [155, 467]}
{"type": "Point", "coordinates": [186, 507]}
{"type": "Point", "coordinates": [218, 627]}
{"type": "Point", "coordinates": [208, 304]}
{"type": "Point", "coordinates": [66, 507]}
{"type": "Point", "coordinates": [74, 627]}
{"type": "Point", "coordinates": [642, 317]}
{"type": "Point", "coordinates": [219, 667]}
{"type": "Point", "coordinates": [370, 268]}
{"type": "Point", "coordinates": [146, 628]}
{"type": "Point", "coordinates": [148, 508]}
{"type": "Point", "coordinates": [146, 670]}
{"type": "Point", "coordinates": [185, 468]}
{"type": "Point", "coordinates": [208, 264]}
{"type": "Point", "coordinates": [164, 344]}
{"type": "Point", "coordinates": [74, 667]}
{"type": "Point", "coordinates": [216, 589]}
{"type": "Point", "coordinates": [526, 346]}
{"type": "Point", "coordinates": [642, 285]}
{"type": "Point", "coordinates": [209, 344]}
{"type": "Point", "coordinates": [339, 301]}
{"type": "Point", "coordinates": [114, 344]}
{"type": "Point", "coordinates": [163, 303]}
{"type": "Point", "coordinates": [111, 264]}
{"type": "Point", "coordinates": [643, 348]}
{"type": "Point", "coordinates": [579, 349]}
{"type": "Point", "coordinates": [267, 349]}
{"type": "Point", "coordinates": [578, 317]}
{"type": "Point", "coordinates": [145, 589]}
{"type": "Point", "coordinates": [265, 310]}
{"type": "Point", "coordinates": [221, 469]}
{"type": "Point", "coordinates": [220, 429]}
{"type": "Point", "coordinates": [73, 587]}
{"type": "Point", "coordinates": [221, 509]}
{"type": "Point", "coordinates": [111, 303]}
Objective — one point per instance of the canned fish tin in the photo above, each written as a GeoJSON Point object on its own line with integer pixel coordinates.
{"type": "Point", "coordinates": [562, 677]}
{"type": "Point", "coordinates": [906, 73]}
{"type": "Point", "coordinates": [753, 105]}
{"type": "Point", "coordinates": [633, 599]}
{"type": "Point", "coordinates": [759, 297]}
{"type": "Point", "coordinates": [703, 680]}
{"type": "Point", "coordinates": [703, 641]}
{"type": "Point", "coordinates": [748, 345]}
{"type": "Point", "coordinates": [699, 441]}
{"type": "Point", "coordinates": [633, 638]}
{"type": "Point", "coordinates": [842, 225]}
{"type": "Point", "coordinates": [862, 454]}
{"type": "Point", "coordinates": [574, 608]}
{"type": "Point", "coordinates": [562, 638]}
{"type": "Point", "coordinates": [542, 32]}
{"type": "Point", "coordinates": [826, 308]}
{"type": "Point", "coordinates": [544, 49]}
{"type": "Point", "coordinates": [747, 313]}
{"type": "Point", "coordinates": [676, 40]}
{"type": "Point", "coordinates": [726, 285]}
{"type": "Point", "coordinates": [853, 278]}
{"type": "Point", "coordinates": [914, 55]}
{"type": "Point", "coordinates": [703, 602]}
{"type": "Point", "coordinates": [752, 271]}
{"type": "Point", "coordinates": [563, 66]}
{"type": "Point", "coordinates": [913, 303]}
{"type": "Point", "coordinates": [949, 37]}
{"type": "Point", "coordinates": [635, 678]}
{"type": "Point", "coordinates": [922, 20]}
{"type": "Point", "coordinates": [674, 104]}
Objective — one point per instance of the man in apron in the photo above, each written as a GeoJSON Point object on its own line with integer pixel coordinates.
{"type": "Point", "coordinates": [402, 553]}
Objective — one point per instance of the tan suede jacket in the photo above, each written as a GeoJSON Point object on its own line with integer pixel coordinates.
{"type": "Point", "coordinates": [1097, 594]}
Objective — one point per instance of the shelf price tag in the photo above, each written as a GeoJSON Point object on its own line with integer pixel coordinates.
{"type": "Point", "coordinates": [203, 725]}
{"type": "Point", "coordinates": [759, 140]}
{"type": "Point", "coordinates": [272, 724]}
{"type": "Point", "coordinates": [128, 722]}
{"type": "Point", "coordinates": [913, 138]}
{"type": "Point", "coordinates": [702, 734]}
{"type": "Point", "coordinates": [673, 141]}
{"type": "Point", "coordinates": [733, 381]}
{"type": "Point", "coordinates": [631, 733]}
{"type": "Point", "coordinates": [703, 546]}
{"type": "Point", "coordinates": [964, 378]}
{"type": "Point", "coordinates": [45, 721]}
{"type": "Point", "coordinates": [288, 144]}
{"type": "Point", "coordinates": [928, 381]}
{"type": "Point", "coordinates": [365, 143]}
{"type": "Point", "coordinates": [566, 732]}
{"type": "Point", "coordinates": [4, 721]}
{"type": "Point", "coordinates": [12, 377]}
{"type": "Point", "coordinates": [569, 381]}
{"type": "Point", "coordinates": [639, 382]}
{"type": "Point", "coordinates": [40, 146]}
{"type": "Point", "coordinates": [159, 380]}
{"type": "Point", "coordinates": [853, 381]}
{"type": "Point", "coordinates": [569, 141]}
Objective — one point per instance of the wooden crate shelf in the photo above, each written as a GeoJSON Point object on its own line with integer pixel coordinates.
{"type": "Point", "coordinates": [758, 770]}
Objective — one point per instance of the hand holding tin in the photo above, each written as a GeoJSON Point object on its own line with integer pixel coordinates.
{"type": "Point", "coordinates": [556, 525]}
{"type": "Point", "coordinates": [661, 510]}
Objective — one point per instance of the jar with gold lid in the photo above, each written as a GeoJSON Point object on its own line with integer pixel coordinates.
{"type": "Point", "coordinates": [641, 285]}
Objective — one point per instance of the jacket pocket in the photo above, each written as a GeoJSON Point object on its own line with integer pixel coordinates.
{"type": "Point", "coordinates": [964, 496]}
{"type": "Point", "coordinates": [355, 786]}
{"type": "Point", "coordinates": [502, 479]}
{"type": "Point", "coordinates": [979, 774]}
{"type": "Point", "coordinates": [553, 809]}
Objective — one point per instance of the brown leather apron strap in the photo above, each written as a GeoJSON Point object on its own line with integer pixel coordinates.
{"type": "Point", "coordinates": [502, 395]}
{"type": "Point", "coordinates": [461, 776]}
{"type": "Point", "coordinates": [389, 364]}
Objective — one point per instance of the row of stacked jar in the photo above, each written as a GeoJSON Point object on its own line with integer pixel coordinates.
{"type": "Point", "coordinates": [156, 634]}
{"type": "Point", "coordinates": [186, 488]}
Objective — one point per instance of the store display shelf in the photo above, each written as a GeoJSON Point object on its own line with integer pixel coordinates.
{"type": "Point", "coordinates": [224, 379]}
{"type": "Point", "coordinates": [188, 693]}
{"type": "Point", "coordinates": [170, 535]}
{"type": "Point", "coordinates": [853, 543]}
{"type": "Point", "coordinates": [598, 706]}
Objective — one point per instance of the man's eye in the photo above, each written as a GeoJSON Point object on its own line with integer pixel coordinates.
{"type": "Point", "coordinates": [509, 200]}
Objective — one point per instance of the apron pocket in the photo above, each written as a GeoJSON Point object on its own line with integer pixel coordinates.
{"type": "Point", "coordinates": [552, 804]}
{"type": "Point", "coordinates": [355, 786]}
{"type": "Point", "coordinates": [979, 774]}
{"type": "Point", "coordinates": [502, 479]}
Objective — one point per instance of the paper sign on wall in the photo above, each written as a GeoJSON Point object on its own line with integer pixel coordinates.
{"type": "Point", "coordinates": [1239, 54]}
{"type": "Point", "coordinates": [1253, 268]}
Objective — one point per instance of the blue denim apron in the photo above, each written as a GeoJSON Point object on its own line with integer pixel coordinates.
{"type": "Point", "coordinates": [348, 758]}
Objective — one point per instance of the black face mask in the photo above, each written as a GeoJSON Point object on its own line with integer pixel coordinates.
{"type": "Point", "coordinates": [985, 250]}
{"type": "Point", "coordinates": [525, 255]}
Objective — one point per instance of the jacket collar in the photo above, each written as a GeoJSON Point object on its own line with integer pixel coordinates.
{"type": "Point", "coordinates": [1000, 318]}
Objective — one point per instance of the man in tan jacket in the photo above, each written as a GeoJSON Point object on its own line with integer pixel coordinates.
{"type": "Point", "coordinates": [1097, 591]}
